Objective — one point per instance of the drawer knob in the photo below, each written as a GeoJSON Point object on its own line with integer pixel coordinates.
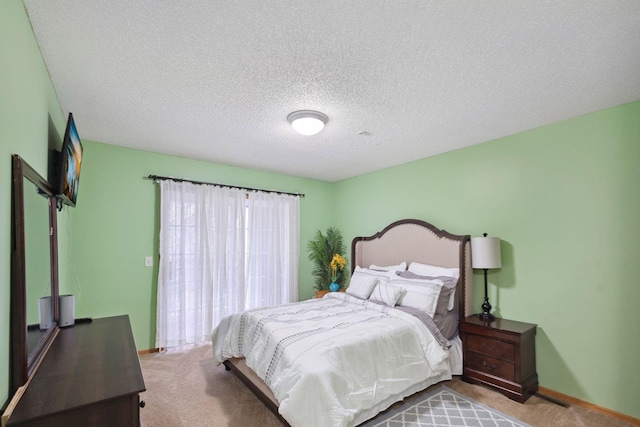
{"type": "Point", "coordinates": [492, 346]}
{"type": "Point", "coordinates": [142, 403]}
{"type": "Point", "coordinates": [489, 367]}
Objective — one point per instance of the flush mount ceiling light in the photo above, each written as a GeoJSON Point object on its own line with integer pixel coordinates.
{"type": "Point", "coordinates": [307, 122]}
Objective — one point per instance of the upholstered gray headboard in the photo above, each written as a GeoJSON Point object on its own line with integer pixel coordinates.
{"type": "Point", "coordinates": [412, 240]}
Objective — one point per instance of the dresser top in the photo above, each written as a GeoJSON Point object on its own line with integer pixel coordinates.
{"type": "Point", "coordinates": [86, 363]}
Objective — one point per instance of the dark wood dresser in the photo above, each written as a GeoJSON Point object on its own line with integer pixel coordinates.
{"type": "Point", "coordinates": [90, 376]}
{"type": "Point", "coordinates": [500, 354]}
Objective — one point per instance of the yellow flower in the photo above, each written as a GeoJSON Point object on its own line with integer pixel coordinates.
{"type": "Point", "coordinates": [337, 264]}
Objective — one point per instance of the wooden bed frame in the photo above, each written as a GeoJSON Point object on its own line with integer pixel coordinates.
{"type": "Point", "coordinates": [408, 240]}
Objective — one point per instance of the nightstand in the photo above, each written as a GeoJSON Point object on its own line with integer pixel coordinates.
{"type": "Point", "coordinates": [500, 354]}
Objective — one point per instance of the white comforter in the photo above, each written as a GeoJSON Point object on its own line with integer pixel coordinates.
{"type": "Point", "coordinates": [333, 361]}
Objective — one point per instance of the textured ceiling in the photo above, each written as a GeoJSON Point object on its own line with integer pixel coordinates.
{"type": "Point", "coordinates": [399, 80]}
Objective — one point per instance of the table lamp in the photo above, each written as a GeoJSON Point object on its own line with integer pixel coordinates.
{"type": "Point", "coordinates": [485, 254]}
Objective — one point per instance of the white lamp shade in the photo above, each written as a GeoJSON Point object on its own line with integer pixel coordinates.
{"type": "Point", "coordinates": [485, 252]}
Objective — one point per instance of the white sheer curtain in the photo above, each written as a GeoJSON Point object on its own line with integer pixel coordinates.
{"type": "Point", "coordinates": [272, 247]}
{"type": "Point", "coordinates": [211, 239]}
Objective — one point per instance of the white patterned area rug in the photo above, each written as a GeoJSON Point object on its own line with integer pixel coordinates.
{"type": "Point", "coordinates": [444, 407]}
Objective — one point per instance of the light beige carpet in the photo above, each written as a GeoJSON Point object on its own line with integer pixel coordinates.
{"type": "Point", "coordinates": [186, 388]}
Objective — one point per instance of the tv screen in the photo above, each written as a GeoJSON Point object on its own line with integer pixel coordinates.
{"type": "Point", "coordinates": [70, 164]}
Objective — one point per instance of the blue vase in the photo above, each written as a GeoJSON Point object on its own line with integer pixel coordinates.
{"type": "Point", "coordinates": [334, 287]}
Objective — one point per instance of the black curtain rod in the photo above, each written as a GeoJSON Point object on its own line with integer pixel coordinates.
{"type": "Point", "coordinates": [162, 178]}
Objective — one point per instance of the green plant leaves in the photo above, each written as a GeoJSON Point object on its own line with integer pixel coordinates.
{"type": "Point", "coordinates": [321, 250]}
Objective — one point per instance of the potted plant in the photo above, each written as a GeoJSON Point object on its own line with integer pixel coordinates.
{"type": "Point", "coordinates": [322, 250]}
{"type": "Point", "coordinates": [337, 264]}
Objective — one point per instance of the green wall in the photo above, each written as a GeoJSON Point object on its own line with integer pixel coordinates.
{"type": "Point", "coordinates": [115, 226]}
{"type": "Point", "coordinates": [29, 119]}
{"type": "Point", "coordinates": [565, 201]}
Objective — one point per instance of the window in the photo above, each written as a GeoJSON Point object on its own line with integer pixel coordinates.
{"type": "Point", "coordinates": [222, 252]}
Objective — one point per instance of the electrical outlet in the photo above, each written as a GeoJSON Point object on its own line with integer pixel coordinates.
{"type": "Point", "coordinates": [148, 261]}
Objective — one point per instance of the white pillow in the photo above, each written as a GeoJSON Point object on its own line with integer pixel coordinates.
{"type": "Point", "coordinates": [386, 294]}
{"type": "Point", "coordinates": [361, 284]}
{"type": "Point", "coordinates": [449, 285]}
{"type": "Point", "coordinates": [381, 275]}
{"type": "Point", "coordinates": [433, 270]}
{"type": "Point", "coordinates": [400, 267]}
{"type": "Point", "coordinates": [420, 294]}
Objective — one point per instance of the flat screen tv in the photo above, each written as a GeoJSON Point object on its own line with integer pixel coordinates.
{"type": "Point", "coordinates": [69, 164]}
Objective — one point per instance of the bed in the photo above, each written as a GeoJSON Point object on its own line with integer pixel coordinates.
{"type": "Point", "coordinates": [342, 359]}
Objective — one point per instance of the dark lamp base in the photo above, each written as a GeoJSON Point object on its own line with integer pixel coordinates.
{"type": "Point", "coordinates": [486, 316]}
{"type": "Point", "coordinates": [486, 309]}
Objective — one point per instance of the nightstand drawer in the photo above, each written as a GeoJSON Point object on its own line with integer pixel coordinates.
{"type": "Point", "coordinates": [490, 365]}
{"type": "Point", "coordinates": [500, 353]}
{"type": "Point", "coordinates": [490, 347]}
